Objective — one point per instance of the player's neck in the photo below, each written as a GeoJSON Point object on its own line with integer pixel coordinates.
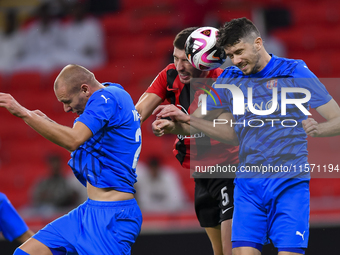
{"type": "Point", "coordinates": [264, 60]}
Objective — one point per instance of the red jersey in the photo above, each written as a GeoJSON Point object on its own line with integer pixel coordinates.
{"type": "Point", "coordinates": [197, 149]}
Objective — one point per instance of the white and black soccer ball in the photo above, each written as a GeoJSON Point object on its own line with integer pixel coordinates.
{"type": "Point", "coordinates": [201, 50]}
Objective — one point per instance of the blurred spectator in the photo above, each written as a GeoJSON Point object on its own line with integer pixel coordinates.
{"type": "Point", "coordinates": [42, 41]}
{"type": "Point", "coordinates": [268, 20]}
{"type": "Point", "coordinates": [11, 42]}
{"type": "Point", "coordinates": [58, 8]}
{"type": "Point", "coordinates": [82, 39]}
{"type": "Point", "coordinates": [99, 7]}
{"type": "Point", "coordinates": [54, 192]}
{"type": "Point", "coordinates": [159, 188]}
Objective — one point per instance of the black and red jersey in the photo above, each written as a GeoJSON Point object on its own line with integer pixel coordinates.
{"type": "Point", "coordinates": [197, 149]}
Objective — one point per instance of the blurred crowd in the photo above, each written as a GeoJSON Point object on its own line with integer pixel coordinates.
{"type": "Point", "coordinates": [55, 33]}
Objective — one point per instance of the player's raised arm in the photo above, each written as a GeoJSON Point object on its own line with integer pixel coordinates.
{"type": "Point", "coordinates": [219, 128]}
{"type": "Point", "coordinates": [66, 137]}
{"type": "Point", "coordinates": [74, 96]}
{"type": "Point", "coordinates": [147, 104]}
{"type": "Point", "coordinates": [331, 127]}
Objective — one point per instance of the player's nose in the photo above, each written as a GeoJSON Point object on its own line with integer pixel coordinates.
{"type": "Point", "coordinates": [236, 60]}
{"type": "Point", "coordinates": [180, 66]}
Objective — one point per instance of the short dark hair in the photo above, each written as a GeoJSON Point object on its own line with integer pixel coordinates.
{"type": "Point", "coordinates": [182, 36]}
{"type": "Point", "coordinates": [235, 30]}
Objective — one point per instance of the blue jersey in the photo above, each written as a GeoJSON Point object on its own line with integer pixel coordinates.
{"type": "Point", "coordinates": [12, 225]}
{"type": "Point", "coordinates": [109, 158]}
{"type": "Point", "coordinates": [274, 139]}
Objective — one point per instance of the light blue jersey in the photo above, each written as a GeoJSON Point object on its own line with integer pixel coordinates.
{"type": "Point", "coordinates": [274, 140]}
{"type": "Point", "coordinates": [109, 158]}
{"type": "Point", "coordinates": [268, 108]}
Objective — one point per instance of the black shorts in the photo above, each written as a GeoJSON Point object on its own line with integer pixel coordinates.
{"type": "Point", "coordinates": [214, 201]}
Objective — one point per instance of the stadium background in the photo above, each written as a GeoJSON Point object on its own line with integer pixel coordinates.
{"type": "Point", "coordinates": [138, 40]}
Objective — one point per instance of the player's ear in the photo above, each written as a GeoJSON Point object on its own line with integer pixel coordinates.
{"type": "Point", "coordinates": [258, 43]}
{"type": "Point", "coordinates": [84, 88]}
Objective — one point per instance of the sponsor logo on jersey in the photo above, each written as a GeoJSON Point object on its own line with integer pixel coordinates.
{"type": "Point", "coordinates": [271, 84]}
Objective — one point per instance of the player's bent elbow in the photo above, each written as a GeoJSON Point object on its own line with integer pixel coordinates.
{"type": "Point", "coordinates": [72, 146]}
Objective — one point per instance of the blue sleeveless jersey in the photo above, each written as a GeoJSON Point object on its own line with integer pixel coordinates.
{"type": "Point", "coordinates": [109, 158]}
{"type": "Point", "coordinates": [273, 142]}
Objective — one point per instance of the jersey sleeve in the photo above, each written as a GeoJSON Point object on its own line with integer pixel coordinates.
{"type": "Point", "coordinates": [304, 78]}
{"type": "Point", "coordinates": [11, 224]}
{"type": "Point", "coordinates": [158, 86]}
{"type": "Point", "coordinates": [99, 111]}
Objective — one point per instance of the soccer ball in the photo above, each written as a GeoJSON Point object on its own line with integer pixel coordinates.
{"type": "Point", "coordinates": [201, 50]}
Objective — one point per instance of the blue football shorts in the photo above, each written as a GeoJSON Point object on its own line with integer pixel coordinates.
{"type": "Point", "coordinates": [271, 209]}
{"type": "Point", "coordinates": [12, 225]}
{"type": "Point", "coordinates": [94, 227]}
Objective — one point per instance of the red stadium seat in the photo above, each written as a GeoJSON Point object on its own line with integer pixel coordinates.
{"type": "Point", "coordinates": [158, 23]}
{"type": "Point", "coordinates": [324, 187]}
{"type": "Point", "coordinates": [126, 47]}
{"type": "Point", "coordinates": [225, 15]}
{"type": "Point", "coordinates": [118, 24]}
{"type": "Point", "coordinates": [314, 37]}
{"type": "Point", "coordinates": [147, 4]}
{"type": "Point", "coordinates": [17, 180]}
{"type": "Point", "coordinates": [25, 81]}
{"type": "Point", "coordinates": [323, 13]}
{"type": "Point", "coordinates": [163, 46]}
{"type": "Point", "coordinates": [117, 71]}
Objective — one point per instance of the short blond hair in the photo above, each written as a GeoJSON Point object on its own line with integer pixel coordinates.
{"type": "Point", "coordinates": [73, 76]}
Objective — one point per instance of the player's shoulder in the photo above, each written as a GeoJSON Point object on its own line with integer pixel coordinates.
{"type": "Point", "coordinates": [170, 70]}
{"type": "Point", "coordinates": [287, 61]}
{"type": "Point", "coordinates": [114, 91]}
{"type": "Point", "coordinates": [290, 67]}
{"type": "Point", "coordinates": [3, 197]}
{"type": "Point", "coordinates": [113, 88]}
{"type": "Point", "coordinates": [171, 66]}
{"type": "Point", "coordinates": [231, 72]}
{"type": "Point", "coordinates": [112, 85]}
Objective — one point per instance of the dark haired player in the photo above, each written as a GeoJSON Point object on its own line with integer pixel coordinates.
{"type": "Point", "coordinates": [213, 197]}
{"type": "Point", "coordinates": [269, 205]}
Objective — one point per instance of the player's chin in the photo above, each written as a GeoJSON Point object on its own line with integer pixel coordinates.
{"type": "Point", "coordinates": [246, 71]}
{"type": "Point", "coordinates": [185, 80]}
